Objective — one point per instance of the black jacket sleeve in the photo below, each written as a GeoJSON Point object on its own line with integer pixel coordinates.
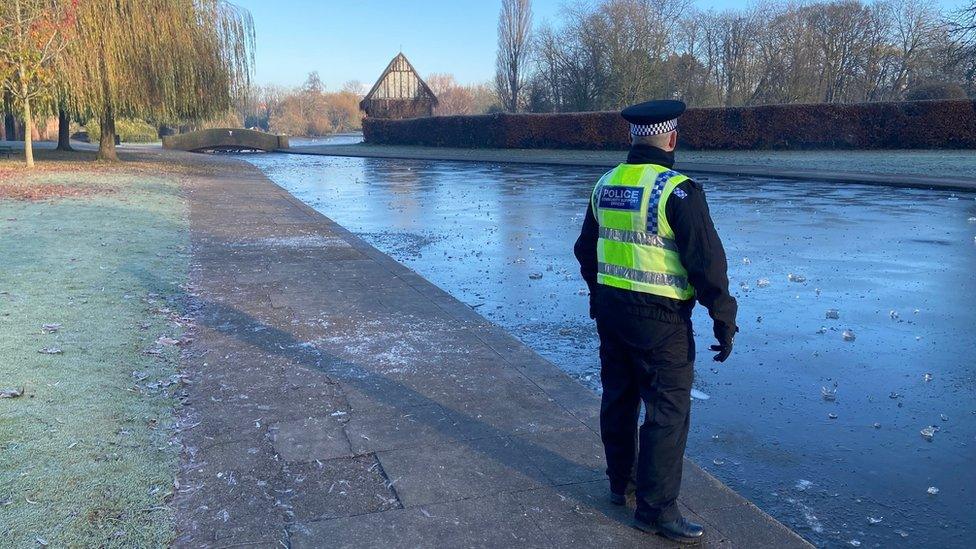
{"type": "Point", "coordinates": [585, 251]}
{"type": "Point", "coordinates": [702, 254]}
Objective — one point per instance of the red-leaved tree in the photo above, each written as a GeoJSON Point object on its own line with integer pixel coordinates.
{"type": "Point", "coordinates": [33, 33]}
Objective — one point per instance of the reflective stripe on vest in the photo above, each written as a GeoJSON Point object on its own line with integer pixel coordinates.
{"type": "Point", "coordinates": [636, 248]}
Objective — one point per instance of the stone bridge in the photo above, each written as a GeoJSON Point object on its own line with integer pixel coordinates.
{"type": "Point", "coordinates": [225, 139]}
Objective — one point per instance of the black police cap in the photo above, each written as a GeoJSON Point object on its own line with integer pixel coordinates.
{"type": "Point", "coordinates": [653, 112]}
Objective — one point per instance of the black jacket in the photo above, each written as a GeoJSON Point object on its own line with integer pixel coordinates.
{"type": "Point", "coordinates": [698, 244]}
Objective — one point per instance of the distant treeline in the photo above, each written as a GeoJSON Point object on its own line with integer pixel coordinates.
{"type": "Point", "coordinates": [306, 110]}
{"type": "Point", "coordinates": [310, 110]}
{"type": "Point", "coordinates": [609, 53]}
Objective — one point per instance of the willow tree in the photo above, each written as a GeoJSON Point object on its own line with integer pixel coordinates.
{"type": "Point", "coordinates": [160, 60]}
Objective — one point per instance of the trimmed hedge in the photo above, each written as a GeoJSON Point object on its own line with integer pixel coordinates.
{"type": "Point", "coordinates": [882, 125]}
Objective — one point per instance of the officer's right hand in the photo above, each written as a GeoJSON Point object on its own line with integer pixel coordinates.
{"type": "Point", "coordinates": [726, 337]}
{"type": "Point", "coordinates": [723, 350]}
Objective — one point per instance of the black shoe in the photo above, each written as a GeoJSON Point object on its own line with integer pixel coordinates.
{"type": "Point", "coordinates": [618, 499]}
{"type": "Point", "coordinates": [681, 530]}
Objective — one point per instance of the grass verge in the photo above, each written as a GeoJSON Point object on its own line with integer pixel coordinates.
{"type": "Point", "coordinates": [86, 451]}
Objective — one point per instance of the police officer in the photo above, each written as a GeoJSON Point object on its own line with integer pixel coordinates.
{"type": "Point", "coordinates": [648, 250]}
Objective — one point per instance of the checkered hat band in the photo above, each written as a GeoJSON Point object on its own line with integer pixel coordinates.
{"type": "Point", "coordinates": [654, 129]}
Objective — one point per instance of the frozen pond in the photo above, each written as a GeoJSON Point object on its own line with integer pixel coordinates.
{"type": "Point", "coordinates": [845, 468]}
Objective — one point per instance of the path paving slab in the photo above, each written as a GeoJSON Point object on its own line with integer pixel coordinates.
{"type": "Point", "coordinates": [335, 398]}
{"type": "Point", "coordinates": [489, 522]}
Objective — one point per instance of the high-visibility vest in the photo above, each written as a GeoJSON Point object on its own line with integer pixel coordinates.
{"type": "Point", "coordinates": [636, 249]}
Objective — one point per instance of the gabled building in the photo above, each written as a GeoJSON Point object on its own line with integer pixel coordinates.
{"type": "Point", "coordinates": [399, 93]}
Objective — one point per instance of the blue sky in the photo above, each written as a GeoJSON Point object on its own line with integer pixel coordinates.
{"type": "Point", "coordinates": [354, 39]}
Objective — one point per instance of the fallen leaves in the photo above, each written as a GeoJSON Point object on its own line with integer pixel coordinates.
{"type": "Point", "coordinates": [45, 192]}
{"type": "Point", "coordinates": [11, 392]}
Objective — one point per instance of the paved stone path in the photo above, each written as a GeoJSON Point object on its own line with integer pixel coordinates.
{"type": "Point", "coordinates": [338, 399]}
{"type": "Point", "coordinates": [950, 169]}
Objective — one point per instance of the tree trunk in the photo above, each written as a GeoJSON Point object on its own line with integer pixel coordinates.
{"type": "Point", "coordinates": [10, 127]}
{"type": "Point", "coordinates": [28, 124]}
{"type": "Point", "coordinates": [106, 144]}
{"type": "Point", "coordinates": [64, 131]}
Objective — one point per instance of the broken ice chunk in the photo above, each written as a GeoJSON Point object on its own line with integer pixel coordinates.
{"type": "Point", "coordinates": [762, 283]}
{"type": "Point", "coordinates": [535, 276]}
{"type": "Point", "coordinates": [928, 433]}
{"type": "Point", "coordinates": [848, 335]}
{"type": "Point", "coordinates": [873, 520]}
{"type": "Point", "coordinates": [796, 277]}
{"type": "Point", "coordinates": [822, 330]}
{"type": "Point", "coordinates": [746, 261]}
{"type": "Point", "coordinates": [803, 484]}
{"type": "Point", "coordinates": [933, 490]}
{"type": "Point", "coordinates": [927, 376]}
{"type": "Point", "coordinates": [833, 314]}
{"type": "Point", "coordinates": [832, 416]}
{"type": "Point", "coordinates": [698, 395]}
{"type": "Point", "coordinates": [829, 395]}
{"type": "Point", "coordinates": [893, 314]}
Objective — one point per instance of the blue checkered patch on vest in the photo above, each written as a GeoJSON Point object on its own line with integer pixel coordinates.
{"type": "Point", "coordinates": [652, 203]}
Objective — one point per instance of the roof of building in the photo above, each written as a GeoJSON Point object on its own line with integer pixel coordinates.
{"type": "Point", "coordinates": [400, 81]}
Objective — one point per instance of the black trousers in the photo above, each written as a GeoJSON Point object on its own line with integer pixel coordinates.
{"type": "Point", "coordinates": [650, 361]}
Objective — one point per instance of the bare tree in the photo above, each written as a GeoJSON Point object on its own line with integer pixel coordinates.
{"type": "Point", "coordinates": [962, 44]}
{"type": "Point", "coordinates": [606, 53]}
{"type": "Point", "coordinates": [514, 42]}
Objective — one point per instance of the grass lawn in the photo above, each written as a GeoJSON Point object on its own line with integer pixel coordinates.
{"type": "Point", "coordinates": [86, 452]}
